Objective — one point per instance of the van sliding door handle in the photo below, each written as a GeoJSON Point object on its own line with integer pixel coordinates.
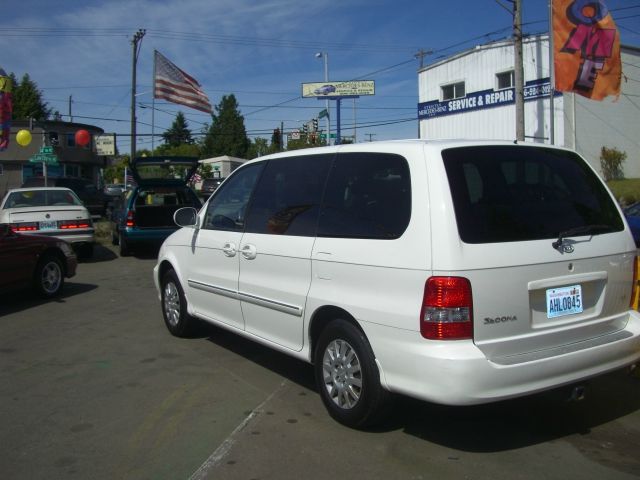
{"type": "Point", "coordinates": [230, 249]}
{"type": "Point", "coordinates": [249, 251]}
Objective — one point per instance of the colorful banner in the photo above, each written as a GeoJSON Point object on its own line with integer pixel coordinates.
{"type": "Point", "coordinates": [586, 49]}
{"type": "Point", "coordinates": [6, 108]}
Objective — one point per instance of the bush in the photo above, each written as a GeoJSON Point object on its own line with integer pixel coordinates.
{"type": "Point", "coordinates": [611, 160]}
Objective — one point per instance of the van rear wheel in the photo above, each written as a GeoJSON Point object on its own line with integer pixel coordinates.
{"type": "Point", "coordinates": [348, 377]}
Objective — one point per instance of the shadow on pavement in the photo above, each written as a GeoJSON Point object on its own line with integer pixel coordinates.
{"type": "Point", "coordinates": [27, 298]}
{"type": "Point", "coordinates": [494, 427]}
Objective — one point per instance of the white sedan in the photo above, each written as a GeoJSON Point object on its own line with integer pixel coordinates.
{"type": "Point", "coordinates": [54, 211]}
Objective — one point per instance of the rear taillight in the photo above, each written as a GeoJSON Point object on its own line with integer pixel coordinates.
{"type": "Point", "coordinates": [24, 227]}
{"type": "Point", "coordinates": [74, 224]}
{"type": "Point", "coordinates": [447, 309]}
{"type": "Point", "coordinates": [634, 286]}
{"type": "Point", "coordinates": [130, 219]}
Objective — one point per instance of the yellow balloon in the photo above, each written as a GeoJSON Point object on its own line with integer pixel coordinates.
{"type": "Point", "coordinates": [23, 137]}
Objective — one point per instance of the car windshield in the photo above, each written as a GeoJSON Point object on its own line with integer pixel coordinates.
{"type": "Point", "coordinates": [41, 198]}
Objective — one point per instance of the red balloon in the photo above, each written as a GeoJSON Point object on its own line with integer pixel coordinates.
{"type": "Point", "coordinates": [82, 137]}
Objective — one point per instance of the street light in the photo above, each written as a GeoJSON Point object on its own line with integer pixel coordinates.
{"type": "Point", "coordinates": [325, 56]}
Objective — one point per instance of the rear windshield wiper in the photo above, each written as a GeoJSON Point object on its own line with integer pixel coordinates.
{"type": "Point", "coordinates": [583, 230]}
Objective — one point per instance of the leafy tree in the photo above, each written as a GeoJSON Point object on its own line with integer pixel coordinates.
{"type": "Point", "coordinates": [27, 100]}
{"type": "Point", "coordinates": [611, 160]}
{"type": "Point", "coordinates": [178, 133]}
{"type": "Point", "coordinates": [258, 148]}
{"type": "Point", "coordinates": [115, 173]}
{"type": "Point", "coordinates": [182, 150]}
{"type": "Point", "coordinates": [227, 134]}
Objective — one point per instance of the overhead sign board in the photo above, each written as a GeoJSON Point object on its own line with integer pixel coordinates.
{"type": "Point", "coordinates": [105, 144]}
{"type": "Point", "coordinates": [481, 100]}
{"type": "Point", "coordinates": [338, 89]}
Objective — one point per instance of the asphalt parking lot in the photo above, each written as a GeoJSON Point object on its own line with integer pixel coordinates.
{"type": "Point", "coordinates": [92, 386]}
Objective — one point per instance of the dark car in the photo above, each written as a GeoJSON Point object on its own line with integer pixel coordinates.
{"type": "Point", "coordinates": [632, 214]}
{"type": "Point", "coordinates": [144, 214]}
{"type": "Point", "coordinates": [114, 189]}
{"type": "Point", "coordinates": [209, 185]}
{"type": "Point", "coordinates": [34, 261]}
{"type": "Point", "coordinates": [92, 198]}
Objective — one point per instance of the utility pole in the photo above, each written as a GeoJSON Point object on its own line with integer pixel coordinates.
{"type": "Point", "coordinates": [518, 69]}
{"type": "Point", "coordinates": [137, 38]}
{"type": "Point", "coordinates": [70, 116]}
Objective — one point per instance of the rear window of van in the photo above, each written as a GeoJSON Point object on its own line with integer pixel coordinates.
{"type": "Point", "coordinates": [518, 193]}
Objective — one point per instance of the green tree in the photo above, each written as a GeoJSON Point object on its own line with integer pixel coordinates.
{"type": "Point", "coordinates": [178, 133]}
{"type": "Point", "coordinates": [227, 134]}
{"type": "Point", "coordinates": [611, 160]}
{"type": "Point", "coordinates": [183, 150]}
{"type": "Point", "coordinates": [258, 148]}
{"type": "Point", "coordinates": [27, 100]}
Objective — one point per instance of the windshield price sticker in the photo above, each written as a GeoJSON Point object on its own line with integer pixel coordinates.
{"type": "Point", "coordinates": [564, 301]}
{"type": "Point", "coordinates": [52, 225]}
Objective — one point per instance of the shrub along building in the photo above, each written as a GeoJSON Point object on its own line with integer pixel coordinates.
{"type": "Point", "coordinates": [73, 160]}
{"type": "Point", "coordinates": [471, 95]}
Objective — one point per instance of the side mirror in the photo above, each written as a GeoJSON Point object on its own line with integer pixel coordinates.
{"type": "Point", "coordinates": [186, 217]}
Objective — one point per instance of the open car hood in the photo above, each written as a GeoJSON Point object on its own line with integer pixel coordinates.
{"type": "Point", "coordinates": [163, 170]}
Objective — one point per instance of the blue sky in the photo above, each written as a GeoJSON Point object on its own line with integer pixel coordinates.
{"type": "Point", "coordinates": [261, 51]}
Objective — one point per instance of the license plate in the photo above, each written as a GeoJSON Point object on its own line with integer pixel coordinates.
{"type": "Point", "coordinates": [51, 225]}
{"type": "Point", "coordinates": [564, 301]}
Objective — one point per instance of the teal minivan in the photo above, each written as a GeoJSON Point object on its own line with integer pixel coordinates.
{"type": "Point", "coordinates": [143, 215]}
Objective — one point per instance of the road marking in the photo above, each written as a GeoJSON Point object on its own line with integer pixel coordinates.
{"type": "Point", "coordinates": [216, 457]}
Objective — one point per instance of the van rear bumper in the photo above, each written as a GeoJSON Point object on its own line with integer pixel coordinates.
{"type": "Point", "coordinates": [458, 373]}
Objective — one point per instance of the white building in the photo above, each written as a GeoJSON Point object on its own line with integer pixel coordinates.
{"type": "Point", "coordinates": [471, 95]}
{"type": "Point", "coordinates": [224, 165]}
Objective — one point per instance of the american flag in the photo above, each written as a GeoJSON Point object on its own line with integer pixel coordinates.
{"type": "Point", "coordinates": [176, 86]}
{"type": "Point", "coordinates": [128, 178]}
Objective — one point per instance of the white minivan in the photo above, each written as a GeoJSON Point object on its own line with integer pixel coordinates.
{"type": "Point", "coordinates": [454, 272]}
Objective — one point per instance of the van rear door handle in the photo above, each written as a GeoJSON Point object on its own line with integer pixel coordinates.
{"type": "Point", "coordinates": [230, 249]}
{"type": "Point", "coordinates": [249, 251]}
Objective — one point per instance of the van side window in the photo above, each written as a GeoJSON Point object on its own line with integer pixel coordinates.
{"type": "Point", "coordinates": [227, 208]}
{"type": "Point", "coordinates": [368, 195]}
{"type": "Point", "coordinates": [287, 198]}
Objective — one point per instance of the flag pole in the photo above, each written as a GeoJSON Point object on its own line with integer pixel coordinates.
{"type": "Point", "coordinates": [153, 104]}
{"type": "Point", "coordinates": [552, 78]}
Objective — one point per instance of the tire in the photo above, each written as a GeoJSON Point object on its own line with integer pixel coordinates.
{"type": "Point", "coordinates": [174, 306]}
{"type": "Point", "coordinates": [115, 240]}
{"type": "Point", "coordinates": [125, 251]}
{"type": "Point", "coordinates": [347, 376]}
{"type": "Point", "coordinates": [48, 278]}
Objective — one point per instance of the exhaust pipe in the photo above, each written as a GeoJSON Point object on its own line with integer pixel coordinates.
{"type": "Point", "coordinates": [577, 393]}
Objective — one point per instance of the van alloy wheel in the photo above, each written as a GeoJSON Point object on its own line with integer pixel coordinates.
{"type": "Point", "coordinates": [174, 306]}
{"type": "Point", "coordinates": [347, 375]}
{"type": "Point", "coordinates": [342, 374]}
{"type": "Point", "coordinates": [171, 304]}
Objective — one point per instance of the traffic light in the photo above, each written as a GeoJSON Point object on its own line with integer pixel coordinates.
{"type": "Point", "coordinates": [275, 139]}
{"type": "Point", "coordinates": [305, 128]}
{"type": "Point", "coordinates": [315, 124]}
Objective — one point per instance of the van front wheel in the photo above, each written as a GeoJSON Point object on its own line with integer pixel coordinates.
{"type": "Point", "coordinates": [348, 377]}
{"type": "Point", "coordinates": [174, 306]}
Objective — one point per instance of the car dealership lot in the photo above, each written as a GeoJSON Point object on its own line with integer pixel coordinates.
{"type": "Point", "coordinates": [93, 386]}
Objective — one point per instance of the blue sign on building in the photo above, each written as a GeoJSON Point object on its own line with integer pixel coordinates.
{"type": "Point", "coordinates": [484, 99]}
